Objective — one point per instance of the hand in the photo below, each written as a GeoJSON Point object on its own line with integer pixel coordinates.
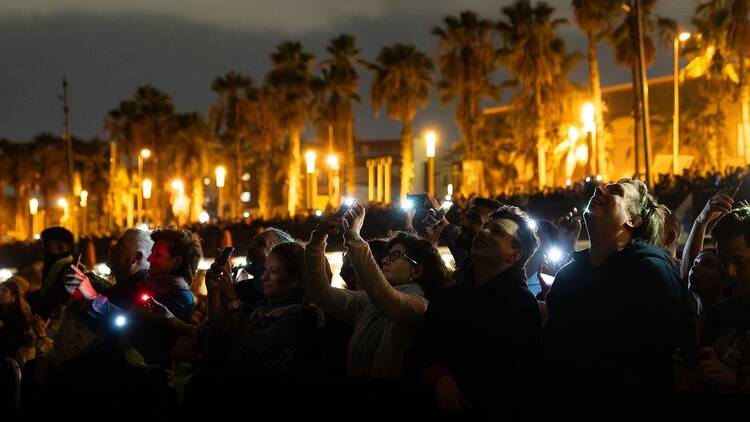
{"type": "Point", "coordinates": [542, 283]}
{"type": "Point", "coordinates": [449, 396]}
{"type": "Point", "coordinates": [76, 279]}
{"type": "Point", "coordinates": [714, 370]}
{"type": "Point", "coordinates": [568, 230]}
{"type": "Point", "coordinates": [327, 227]}
{"type": "Point", "coordinates": [719, 204]}
{"type": "Point", "coordinates": [39, 325]}
{"type": "Point", "coordinates": [219, 278]}
{"type": "Point", "coordinates": [353, 219]}
{"type": "Point", "coordinates": [156, 310]}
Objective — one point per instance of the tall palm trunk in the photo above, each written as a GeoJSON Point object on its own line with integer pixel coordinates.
{"type": "Point", "coordinates": [744, 108]}
{"type": "Point", "coordinates": [236, 204]}
{"type": "Point", "coordinates": [596, 90]}
{"type": "Point", "coordinates": [294, 171]}
{"type": "Point", "coordinates": [407, 161]}
{"type": "Point", "coordinates": [636, 122]}
{"type": "Point", "coordinates": [264, 197]}
{"type": "Point", "coordinates": [541, 141]}
{"type": "Point", "coordinates": [351, 173]}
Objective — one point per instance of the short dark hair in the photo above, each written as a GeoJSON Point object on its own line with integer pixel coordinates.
{"type": "Point", "coordinates": [480, 201]}
{"type": "Point", "coordinates": [57, 233]}
{"type": "Point", "coordinates": [292, 256]}
{"type": "Point", "coordinates": [733, 224]}
{"type": "Point", "coordinates": [435, 275]}
{"type": "Point", "coordinates": [182, 243]}
{"type": "Point", "coordinates": [526, 238]}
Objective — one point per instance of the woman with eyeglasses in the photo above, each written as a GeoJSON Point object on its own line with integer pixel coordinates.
{"type": "Point", "coordinates": [394, 296]}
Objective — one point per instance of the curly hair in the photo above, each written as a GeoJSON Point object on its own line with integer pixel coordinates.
{"type": "Point", "coordinates": [653, 215]}
{"type": "Point", "coordinates": [182, 243]}
{"type": "Point", "coordinates": [435, 275]}
{"type": "Point", "coordinates": [292, 256]}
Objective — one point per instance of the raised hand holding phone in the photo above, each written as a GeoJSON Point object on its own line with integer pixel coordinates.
{"type": "Point", "coordinates": [353, 219]}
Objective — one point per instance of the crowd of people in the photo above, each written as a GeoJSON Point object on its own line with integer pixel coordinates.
{"type": "Point", "coordinates": [521, 313]}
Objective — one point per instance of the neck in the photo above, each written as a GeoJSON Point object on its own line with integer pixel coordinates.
{"type": "Point", "coordinates": [605, 242]}
{"type": "Point", "coordinates": [484, 273]}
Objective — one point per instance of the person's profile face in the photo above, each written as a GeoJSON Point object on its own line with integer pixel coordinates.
{"type": "Point", "coordinates": [613, 202]}
{"type": "Point", "coordinates": [161, 261]}
{"type": "Point", "coordinates": [55, 247]}
{"type": "Point", "coordinates": [734, 255]}
{"type": "Point", "coordinates": [276, 281]}
{"type": "Point", "coordinates": [494, 243]}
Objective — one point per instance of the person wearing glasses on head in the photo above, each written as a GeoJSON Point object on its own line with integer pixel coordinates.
{"type": "Point", "coordinates": [394, 296]}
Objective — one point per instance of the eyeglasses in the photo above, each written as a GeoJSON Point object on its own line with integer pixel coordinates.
{"type": "Point", "coordinates": [399, 254]}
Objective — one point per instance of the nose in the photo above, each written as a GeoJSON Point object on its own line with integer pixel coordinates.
{"type": "Point", "coordinates": [731, 271]}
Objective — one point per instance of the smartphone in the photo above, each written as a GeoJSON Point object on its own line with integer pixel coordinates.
{"type": "Point", "coordinates": [345, 207]}
{"type": "Point", "coordinates": [224, 256]}
{"type": "Point", "coordinates": [736, 187]}
{"type": "Point", "coordinates": [418, 200]}
{"type": "Point", "coordinates": [547, 278]}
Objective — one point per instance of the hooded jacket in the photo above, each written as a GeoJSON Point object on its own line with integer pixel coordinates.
{"type": "Point", "coordinates": [616, 326]}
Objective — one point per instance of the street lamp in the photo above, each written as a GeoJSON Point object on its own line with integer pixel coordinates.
{"type": "Point", "coordinates": [311, 181]}
{"type": "Point", "coordinates": [221, 173]}
{"type": "Point", "coordinates": [682, 37]}
{"type": "Point", "coordinates": [144, 154]}
{"type": "Point", "coordinates": [430, 140]}
{"type": "Point", "coordinates": [33, 210]}
{"type": "Point", "coordinates": [333, 179]}
{"type": "Point", "coordinates": [147, 185]}
{"type": "Point", "coordinates": [588, 114]}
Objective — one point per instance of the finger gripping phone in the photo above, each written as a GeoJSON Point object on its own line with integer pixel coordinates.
{"type": "Point", "coordinates": [224, 256]}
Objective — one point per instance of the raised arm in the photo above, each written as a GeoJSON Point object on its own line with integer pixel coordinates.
{"type": "Point", "coordinates": [393, 303]}
{"type": "Point", "coordinates": [719, 204]}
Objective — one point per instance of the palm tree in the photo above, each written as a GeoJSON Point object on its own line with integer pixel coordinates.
{"type": "Point", "coordinates": [193, 141]}
{"type": "Point", "coordinates": [594, 17]}
{"type": "Point", "coordinates": [711, 65]}
{"type": "Point", "coordinates": [467, 58]}
{"type": "Point", "coordinates": [624, 41]}
{"type": "Point", "coordinates": [291, 79]}
{"type": "Point", "coordinates": [334, 93]}
{"type": "Point", "coordinates": [156, 117]}
{"type": "Point", "coordinates": [263, 130]}
{"type": "Point", "coordinates": [227, 121]}
{"type": "Point", "coordinates": [534, 54]}
{"type": "Point", "coordinates": [739, 41]}
{"type": "Point", "coordinates": [403, 76]}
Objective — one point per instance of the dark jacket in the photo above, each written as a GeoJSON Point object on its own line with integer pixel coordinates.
{"type": "Point", "coordinates": [13, 332]}
{"type": "Point", "coordinates": [615, 327]}
{"type": "Point", "coordinates": [266, 339]}
{"type": "Point", "coordinates": [487, 338]}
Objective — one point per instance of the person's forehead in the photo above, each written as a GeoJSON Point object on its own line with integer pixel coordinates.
{"type": "Point", "coordinates": [507, 225]}
{"type": "Point", "coordinates": [733, 246]}
{"type": "Point", "coordinates": [397, 247]}
{"type": "Point", "coordinates": [479, 209]}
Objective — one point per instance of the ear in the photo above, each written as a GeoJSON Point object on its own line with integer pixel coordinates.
{"type": "Point", "coordinates": [138, 257]}
{"type": "Point", "coordinates": [635, 221]}
{"type": "Point", "coordinates": [515, 256]}
{"type": "Point", "coordinates": [177, 262]}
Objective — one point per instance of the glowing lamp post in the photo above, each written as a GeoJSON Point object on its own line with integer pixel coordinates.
{"type": "Point", "coordinates": [589, 126]}
{"type": "Point", "coordinates": [221, 173]}
{"type": "Point", "coordinates": [430, 141]}
{"type": "Point", "coordinates": [333, 179]}
{"type": "Point", "coordinates": [312, 182]}
{"type": "Point", "coordinates": [144, 154]}
{"type": "Point", "coordinates": [33, 210]}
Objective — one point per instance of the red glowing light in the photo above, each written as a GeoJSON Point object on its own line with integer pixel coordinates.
{"type": "Point", "coordinates": [145, 298]}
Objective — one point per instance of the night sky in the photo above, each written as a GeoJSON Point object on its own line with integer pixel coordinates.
{"type": "Point", "coordinates": [179, 46]}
